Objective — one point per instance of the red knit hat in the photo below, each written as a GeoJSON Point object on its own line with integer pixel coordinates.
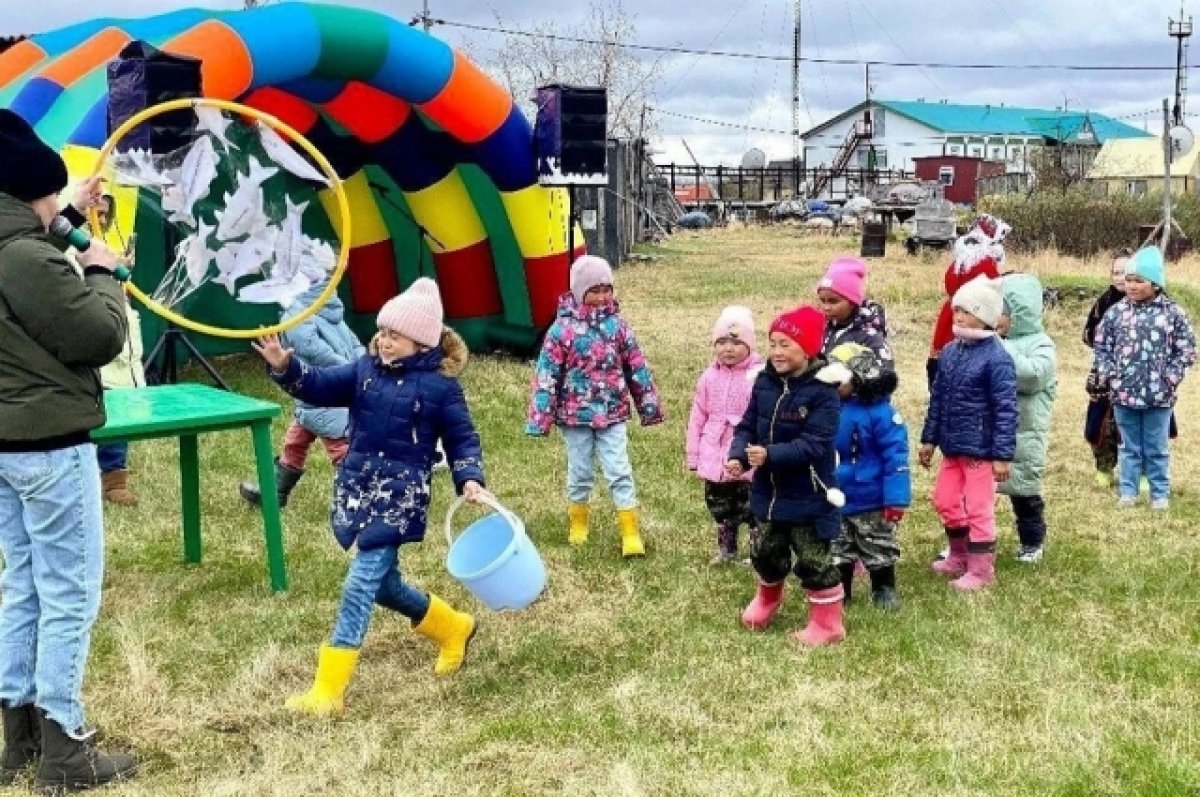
{"type": "Point", "coordinates": [805, 325]}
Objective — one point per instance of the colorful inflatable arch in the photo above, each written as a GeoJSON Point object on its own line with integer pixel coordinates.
{"type": "Point", "coordinates": [420, 135]}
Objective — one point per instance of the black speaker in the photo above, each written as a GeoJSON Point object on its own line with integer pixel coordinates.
{"type": "Point", "coordinates": [571, 133]}
{"type": "Point", "coordinates": [142, 76]}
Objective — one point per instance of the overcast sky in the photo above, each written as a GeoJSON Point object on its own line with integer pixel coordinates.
{"type": "Point", "coordinates": [758, 93]}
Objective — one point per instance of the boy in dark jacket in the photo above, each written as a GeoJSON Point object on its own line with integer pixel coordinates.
{"type": "Point", "coordinates": [787, 436]}
{"type": "Point", "coordinates": [1100, 425]}
{"type": "Point", "coordinates": [872, 447]}
{"type": "Point", "coordinates": [972, 418]}
{"type": "Point", "coordinates": [402, 400]}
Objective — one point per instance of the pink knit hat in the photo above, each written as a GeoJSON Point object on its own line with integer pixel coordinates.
{"type": "Point", "coordinates": [736, 322]}
{"type": "Point", "coordinates": [587, 272]}
{"type": "Point", "coordinates": [847, 277]}
{"type": "Point", "coordinates": [416, 314]}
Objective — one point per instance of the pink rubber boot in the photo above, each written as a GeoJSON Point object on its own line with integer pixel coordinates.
{"type": "Point", "coordinates": [824, 619]}
{"type": "Point", "coordinates": [981, 571]}
{"type": "Point", "coordinates": [955, 564]}
{"type": "Point", "coordinates": [766, 603]}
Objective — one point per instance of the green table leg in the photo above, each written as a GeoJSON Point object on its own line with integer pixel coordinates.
{"type": "Point", "coordinates": [272, 527]}
{"type": "Point", "coordinates": [189, 474]}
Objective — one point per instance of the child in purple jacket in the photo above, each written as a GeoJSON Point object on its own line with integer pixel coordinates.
{"type": "Point", "coordinates": [722, 395]}
{"type": "Point", "coordinates": [589, 366]}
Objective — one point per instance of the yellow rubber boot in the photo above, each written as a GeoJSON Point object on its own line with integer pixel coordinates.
{"type": "Point", "coordinates": [577, 533]}
{"type": "Point", "coordinates": [451, 630]}
{"type": "Point", "coordinates": [335, 667]}
{"type": "Point", "coordinates": [631, 536]}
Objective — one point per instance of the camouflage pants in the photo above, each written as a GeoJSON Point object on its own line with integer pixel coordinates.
{"type": "Point", "coordinates": [868, 538]}
{"type": "Point", "coordinates": [771, 554]}
{"type": "Point", "coordinates": [1105, 450]}
{"type": "Point", "coordinates": [729, 505]}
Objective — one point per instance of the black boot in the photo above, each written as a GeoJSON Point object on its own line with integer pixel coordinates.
{"type": "Point", "coordinates": [847, 571]}
{"type": "Point", "coordinates": [285, 481]}
{"type": "Point", "coordinates": [71, 764]}
{"type": "Point", "coordinates": [883, 588]}
{"type": "Point", "coordinates": [22, 742]}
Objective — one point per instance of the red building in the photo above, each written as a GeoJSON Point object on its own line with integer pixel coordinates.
{"type": "Point", "coordinates": [958, 174]}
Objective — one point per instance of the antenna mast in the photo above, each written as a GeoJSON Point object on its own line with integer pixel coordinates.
{"type": "Point", "coordinates": [796, 84]}
{"type": "Point", "coordinates": [1181, 31]}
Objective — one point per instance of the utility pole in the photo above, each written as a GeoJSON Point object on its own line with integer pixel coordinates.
{"type": "Point", "coordinates": [1180, 31]}
{"type": "Point", "coordinates": [1167, 153]}
{"type": "Point", "coordinates": [796, 85]}
{"type": "Point", "coordinates": [424, 18]}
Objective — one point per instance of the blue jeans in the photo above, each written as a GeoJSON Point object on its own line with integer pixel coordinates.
{"type": "Point", "coordinates": [1143, 450]}
{"type": "Point", "coordinates": [52, 540]}
{"type": "Point", "coordinates": [612, 446]}
{"type": "Point", "coordinates": [374, 578]}
{"type": "Point", "coordinates": [112, 456]}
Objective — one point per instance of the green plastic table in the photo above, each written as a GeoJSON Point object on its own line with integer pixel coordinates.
{"type": "Point", "coordinates": [187, 411]}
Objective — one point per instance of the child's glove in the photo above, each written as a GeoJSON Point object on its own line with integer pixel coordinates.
{"type": "Point", "coordinates": [893, 515]}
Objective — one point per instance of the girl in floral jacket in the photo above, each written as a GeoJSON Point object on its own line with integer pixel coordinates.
{"type": "Point", "coordinates": [1144, 347]}
{"type": "Point", "coordinates": [589, 366]}
{"type": "Point", "coordinates": [722, 395]}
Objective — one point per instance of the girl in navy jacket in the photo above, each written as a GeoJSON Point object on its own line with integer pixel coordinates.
{"type": "Point", "coordinates": [786, 435]}
{"type": "Point", "coordinates": [403, 397]}
{"type": "Point", "coordinates": [872, 447]}
{"type": "Point", "coordinates": [972, 418]}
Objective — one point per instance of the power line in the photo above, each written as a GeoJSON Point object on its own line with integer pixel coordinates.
{"type": "Point", "coordinates": [832, 61]}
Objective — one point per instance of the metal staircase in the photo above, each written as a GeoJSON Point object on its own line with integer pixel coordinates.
{"type": "Point", "coordinates": [861, 131]}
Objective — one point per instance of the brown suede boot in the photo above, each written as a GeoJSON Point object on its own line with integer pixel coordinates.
{"type": "Point", "coordinates": [115, 484]}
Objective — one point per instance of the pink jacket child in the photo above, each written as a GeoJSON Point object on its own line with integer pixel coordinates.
{"type": "Point", "coordinates": [722, 395]}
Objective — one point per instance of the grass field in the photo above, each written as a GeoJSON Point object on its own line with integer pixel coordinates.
{"type": "Point", "coordinates": [1079, 676]}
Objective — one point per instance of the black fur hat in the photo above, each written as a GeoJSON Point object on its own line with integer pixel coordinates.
{"type": "Point", "coordinates": [29, 169]}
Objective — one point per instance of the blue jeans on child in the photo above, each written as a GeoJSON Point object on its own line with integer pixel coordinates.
{"type": "Point", "coordinates": [52, 541]}
{"type": "Point", "coordinates": [112, 456]}
{"type": "Point", "coordinates": [1143, 450]}
{"type": "Point", "coordinates": [374, 578]}
{"type": "Point", "coordinates": [612, 446]}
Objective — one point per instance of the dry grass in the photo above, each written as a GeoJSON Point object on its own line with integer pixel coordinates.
{"type": "Point", "coordinates": [1077, 677]}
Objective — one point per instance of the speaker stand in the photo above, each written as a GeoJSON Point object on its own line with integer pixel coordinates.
{"type": "Point", "coordinates": [167, 371]}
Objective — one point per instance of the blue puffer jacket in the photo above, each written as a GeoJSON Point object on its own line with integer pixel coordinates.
{"type": "Point", "coordinates": [795, 419]}
{"type": "Point", "coordinates": [322, 340]}
{"type": "Point", "coordinates": [973, 409]}
{"type": "Point", "coordinates": [398, 412]}
{"type": "Point", "coordinates": [872, 447]}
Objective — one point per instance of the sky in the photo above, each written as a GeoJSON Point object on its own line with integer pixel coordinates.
{"type": "Point", "coordinates": [744, 94]}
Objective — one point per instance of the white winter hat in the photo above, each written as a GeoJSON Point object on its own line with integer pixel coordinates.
{"type": "Point", "coordinates": [736, 322]}
{"type": "Point", "coordinates": [982, 298]}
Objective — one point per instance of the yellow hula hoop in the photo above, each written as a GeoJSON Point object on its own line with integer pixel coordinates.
{"type": "Point", "coordinates": [335, 184]}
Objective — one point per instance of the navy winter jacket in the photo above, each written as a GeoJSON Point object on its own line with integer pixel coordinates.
{"type": "Point", "coordinates": [795, 419]}
{"type": "Point", "coordinates": [872, 447]}
{"type": "Point", "coordinates": [973, 409]}
{"type": "Point", "coordinates": [398, 412]}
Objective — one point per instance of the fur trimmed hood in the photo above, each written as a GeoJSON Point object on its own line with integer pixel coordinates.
{"type": "Point", "coordinates": [454, 352]}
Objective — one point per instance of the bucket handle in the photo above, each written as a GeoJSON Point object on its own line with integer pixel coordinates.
{"type": "Point", "coordinates": [487, 500]}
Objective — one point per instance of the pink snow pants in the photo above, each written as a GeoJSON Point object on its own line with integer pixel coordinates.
{"type": "Point", "coordinates": [965, 497]}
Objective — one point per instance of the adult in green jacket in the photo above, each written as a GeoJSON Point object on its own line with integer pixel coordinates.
{"type": "Point", "coordinates": [1034, 355]}
{"type": "Point", "coordinates": [56, 329]}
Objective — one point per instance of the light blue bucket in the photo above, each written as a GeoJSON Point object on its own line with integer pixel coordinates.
{"type": "Point", "coordinates": [495, 559]}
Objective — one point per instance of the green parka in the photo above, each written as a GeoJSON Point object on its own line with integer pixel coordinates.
{"type": "Point", "coordinates": [1035, 358]}
{"type": "Point", "coordinates": [56, 330]}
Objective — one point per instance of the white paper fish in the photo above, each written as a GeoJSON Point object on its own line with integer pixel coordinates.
{"type": "Point", "coordinates": [195, 254]}
{"type": "Point", "coordinates": [172, 203]}
{"type": "Point", "coordinates": [196, 176]}
{"type": "Point", "coordinates": [290, 248]}
{"type": "Point", "coordinates": [243, 213]}
{"type": "Point", "coordinates": [235, 261]}
{"type": "Point", "coordinates": [211, 120]}
{"type": "Point", "coordinates": [320, 261]}
{"type": "Point", "coordinates": [275, 291]}
{"type": "Point", "coordinates": [136, 167]}
{"type": "Point", "coordinates": [282, 153]}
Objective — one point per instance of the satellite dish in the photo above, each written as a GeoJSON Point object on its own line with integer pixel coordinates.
{"type": "Point", "coordinates": [1182, 141]}
{"type": "Point", "coordinates": [754, 159]}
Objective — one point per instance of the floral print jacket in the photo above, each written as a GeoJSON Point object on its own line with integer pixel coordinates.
{"type": "Point", "coordinates": [1143, 350]}
{"type": "Point", "coordinates": [589, 366]}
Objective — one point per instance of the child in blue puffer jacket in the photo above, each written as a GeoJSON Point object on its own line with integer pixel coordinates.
{"type": "Point", "coordinates": [872, 447]}
{"type": "Point", "coordinates": [786, 435]}
{"type": "Point", "coordinates": [972, 418]}
{"type": "Point", "coordinates": [402, 400]}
